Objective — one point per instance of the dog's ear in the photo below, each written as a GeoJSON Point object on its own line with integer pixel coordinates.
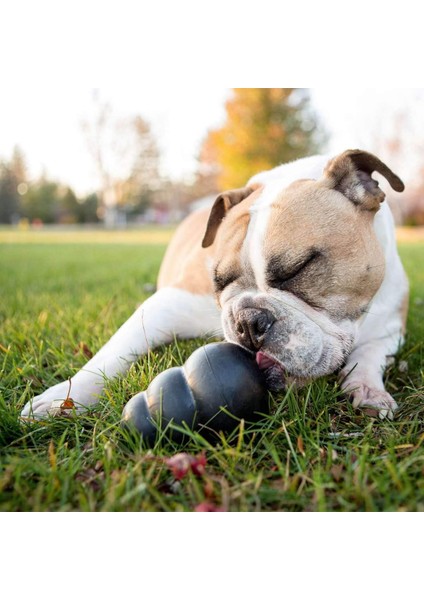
{"type": "Point", "coordinates": [350, 173]}
{"type": "Point", "coordinates": [221, 206]}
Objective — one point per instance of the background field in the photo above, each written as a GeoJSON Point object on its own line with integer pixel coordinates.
{"type": "Point", "coordinates": [62, 296]}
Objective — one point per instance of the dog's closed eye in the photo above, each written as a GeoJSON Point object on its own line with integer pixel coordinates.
{"type": "Point", "coordinates": [222, 280]}
{"type": "Point", "coordinates": [279, 274]}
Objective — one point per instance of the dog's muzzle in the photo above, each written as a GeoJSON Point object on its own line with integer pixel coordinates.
{"type": "Point", "coordinates": [251, 327]}
{"type": "Point", "coordinates": [290, 338]}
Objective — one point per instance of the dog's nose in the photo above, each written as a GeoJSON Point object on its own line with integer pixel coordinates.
{"type": "Point", "coordinates": [252, 325]}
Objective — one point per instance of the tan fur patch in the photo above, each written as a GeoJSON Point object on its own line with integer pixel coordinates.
{"type": "Point", "coordinates": [185, 264]}
{"type": "Point", "coordinates": [188, 266]}
{"type": "Point", "coordinates": [349, 267]}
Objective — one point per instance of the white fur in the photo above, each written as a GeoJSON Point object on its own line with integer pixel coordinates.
{"type": "Point", "coordinates": [310, 167]}
{"type": "Point", "coordinates": [169, 312]}
{"type": "Point", "coordinates": [380, 330]}
{"type": "Point", "coordinates": [274, 182]}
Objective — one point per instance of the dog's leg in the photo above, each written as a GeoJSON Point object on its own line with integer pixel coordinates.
{"type": "Point", "coordinates": [169, 312]}
{"type": "Point", "coordinates": [380, 336]}
{"type": "Point", "coordinates": [362, 379]}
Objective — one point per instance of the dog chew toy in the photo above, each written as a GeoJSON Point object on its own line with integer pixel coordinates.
{"type": "Point", "coordinates": [215, 377]}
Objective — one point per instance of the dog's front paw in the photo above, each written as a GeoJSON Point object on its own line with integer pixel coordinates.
{"type": "Point", "coordinates": [366, 397]}
{"type": "Point", "coordinates": [57, 400]}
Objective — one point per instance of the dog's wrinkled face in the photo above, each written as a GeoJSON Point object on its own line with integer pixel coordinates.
{"type": "Point", "coordinates": [295, 267]}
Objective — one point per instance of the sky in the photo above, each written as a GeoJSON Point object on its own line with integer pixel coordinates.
{"type": "Point", "coordinates": [48, 126]}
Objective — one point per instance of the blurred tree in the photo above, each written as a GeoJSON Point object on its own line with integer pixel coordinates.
{"type": "Point", "coordinates": [13, 177]}
{"type": "Point", "coordinates": [42, 201]}
{"type": "Point", "coordinates": [264, 128]}
{"type": "Point", "coordinates": [9, 196]}
{"type": "Point", "coordinates": [67, 207]}
{"type": "Point", "coordinates": [70, 209]}
{"type": "Point", "coordinates": [137, 191]}
{"type": "Point", "coordinates": [209, 170]}
{"type": "Point", "coordinates": [413, 203]}
{"type": "Point", "coordinates": [50, 202]}
{"type": "Point", "coordinates": [126, 157]}
{"type": "Point", "coordinates": [87, 209]}
{"type": "Point", "coordinates": [18, 165]}
{"type": "Point", "coordinates": [395, 134]}
{"type": "Point", "coordinates": [145, 164]}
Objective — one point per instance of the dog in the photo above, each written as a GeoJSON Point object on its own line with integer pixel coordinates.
{"type": "Point", "coordinates": [300, 266]}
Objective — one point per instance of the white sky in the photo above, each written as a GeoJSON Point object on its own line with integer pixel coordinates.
{"type": "Point", "coordinates": [175, 52]}
{"type": "Point", "coordinates": [47, 126]}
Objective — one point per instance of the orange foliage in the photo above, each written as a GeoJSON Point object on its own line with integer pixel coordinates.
{"type": "Point", "coordinates": [264, 127]}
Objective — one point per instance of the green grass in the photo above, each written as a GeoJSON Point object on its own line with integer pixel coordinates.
{"type": "Point", "coordinates": [313, 452]}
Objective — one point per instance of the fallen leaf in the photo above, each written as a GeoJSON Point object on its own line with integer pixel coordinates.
{"type": "Point", "coordinates": [91, 477]}
{"type": "Point", "coordinates": [371, 412]}
{"type": "Point", "coordinates": [208, 488]}
{"type": "Point", "coordinates": [208, 507]}
{"type": "Point", "coordinates": [198, 464]}
{"type": "Point", "coordinates": [61, 408]}
{"type": "Point", "coordinates": [82, 348]}
{"type": "Point", "coordinates": [337, 471]}
{"type": "Point", "coordinates": [354, 458]}
{"type": "Point", "coordinates": [300, 445]}
{"type": "Point", "coordinates": [67, 404]}
{"type": "Point", "coordinates": [180, 464]}
{"type": "Point", "coordinates": [34, 380]}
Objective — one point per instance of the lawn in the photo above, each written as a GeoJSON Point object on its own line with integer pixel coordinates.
{"type": "Point", "coordinates": [64, 296]}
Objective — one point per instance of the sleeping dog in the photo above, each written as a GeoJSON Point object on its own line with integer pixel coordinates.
{"type": "Point", "coordinates": [300, 267]}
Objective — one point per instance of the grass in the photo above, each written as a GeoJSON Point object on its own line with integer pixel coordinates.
{"type": "Point", "coordinates": [314, 452]}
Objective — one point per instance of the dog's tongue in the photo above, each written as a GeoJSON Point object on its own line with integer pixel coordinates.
{"type": "Point", "coordinates": [264, 361]}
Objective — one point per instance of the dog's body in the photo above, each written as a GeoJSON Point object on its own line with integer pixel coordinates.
{"type": "Point", "coordinates": [300, 266]}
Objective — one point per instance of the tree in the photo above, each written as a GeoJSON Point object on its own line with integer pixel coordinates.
{"type": "Point", "coordinates": [9, 196]}
{"type": "Point", "coordinates": [264, 128]}
{"type": "Point", "coordinates": [18, 165]}
{"type": "Point", "coordinates": [87, 209]}
{"type": "Point", "coordinates": [67, 207]}
{"type": "Point", "coordinates": [13, 177]}
{"type": "Point", "coordinates": [394, 134]}
{"type": "Point", "coordinates": [126, 157]}
{"type": "Point", "coordinates": [42, 201]}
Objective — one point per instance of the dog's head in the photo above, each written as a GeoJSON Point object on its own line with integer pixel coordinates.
{"type": "Point", "coordinates": [296, 266]}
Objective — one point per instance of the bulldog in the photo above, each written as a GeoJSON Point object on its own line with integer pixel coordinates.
{"type": "Point", "coordinates": [300, 267]}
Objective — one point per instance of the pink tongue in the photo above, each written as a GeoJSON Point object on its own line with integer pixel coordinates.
{"type": "Point", "coordinates": [264, 361]}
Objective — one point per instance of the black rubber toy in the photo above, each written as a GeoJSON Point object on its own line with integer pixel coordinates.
{"type": "Point", "coordinates": [216, 376]}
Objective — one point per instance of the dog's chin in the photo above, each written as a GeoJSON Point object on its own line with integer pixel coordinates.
{"type": "Point", "coordinates": [276, 377]}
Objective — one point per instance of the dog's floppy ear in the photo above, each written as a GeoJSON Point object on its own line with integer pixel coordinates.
{"type": "Point", "coordinates": [350, 173]}
{"type": "Point", "coordinates": [221, 206]}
